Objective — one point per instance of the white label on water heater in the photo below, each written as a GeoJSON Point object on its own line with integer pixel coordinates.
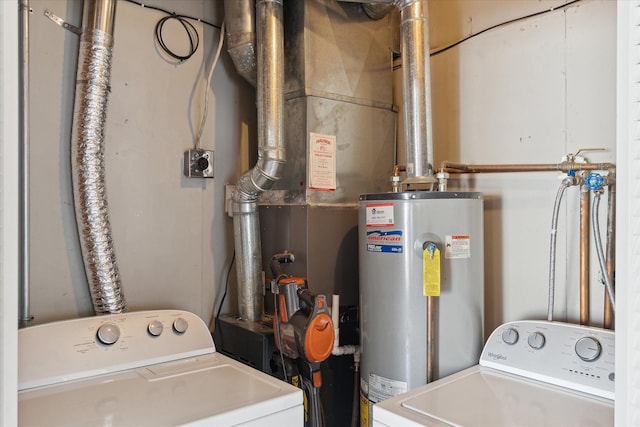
{"type": "Point", "coordinates": [380, 215]}
{"type": "Point", "coordinates": [457, 246]}
{"type": "Point", "coordinates": [381, 388]}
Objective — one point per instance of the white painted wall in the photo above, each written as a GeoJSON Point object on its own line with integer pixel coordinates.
{"type": "Point", "coordinates": [528, 92]}
{"type": "Point", "coordinates": [628, 243]}
{"type": "Point", "coordinates": [171, 236]}
{"type": "Point", "coordinates": [9, 200]}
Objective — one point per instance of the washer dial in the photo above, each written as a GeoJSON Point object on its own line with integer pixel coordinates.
{"type": "Point", "coordinates": [588, 349]}
{"type": "Point", "coordinates": [536, 340]}
{"type": "Point", "coordinates": [510, 336]}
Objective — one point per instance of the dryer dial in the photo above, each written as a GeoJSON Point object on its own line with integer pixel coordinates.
{"type": "Point", "coordinates": [180, 325]}
{"type": "Point", "coordinates": [155, 328]}
{"type": "Point", "coordinates": [108, 333]}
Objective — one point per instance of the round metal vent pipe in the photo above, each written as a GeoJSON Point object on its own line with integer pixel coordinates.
{"type": "Point", "coordinates": [271, 158]}
{"type": "Point", "coordinates": [416, 87]}
{"type": "Point", "coordinates": [87, 157]}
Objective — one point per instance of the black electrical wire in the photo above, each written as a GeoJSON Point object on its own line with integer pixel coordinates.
{"type": "Point", "coordinates": [192, 34]}
{"type": "Point", "coordinates": [184, 20]}
{"type": "Point", "coordinates": [522, 18]}
{"type": "Point", "coordinates": [159, 9]}
{"type": "Point", "coordinates": [226, 288]}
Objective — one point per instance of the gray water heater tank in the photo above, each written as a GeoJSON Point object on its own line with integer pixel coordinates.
{"type": "Point", "coordinates": [394, 231]}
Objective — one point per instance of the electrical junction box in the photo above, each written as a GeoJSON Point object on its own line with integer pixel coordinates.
{"type": "Point", "coordinates": [198, 163]}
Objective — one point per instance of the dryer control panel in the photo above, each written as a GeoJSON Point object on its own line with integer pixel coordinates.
{"type": "Point", "coordinates": [79, 348]}
{"type": "Point", "coordinates": [578, 357]}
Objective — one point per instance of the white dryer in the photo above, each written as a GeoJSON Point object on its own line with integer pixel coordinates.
{"type": "Point", "coordinates": [151, 368]}
{"type": "Point", "coordinates": [531, 373]}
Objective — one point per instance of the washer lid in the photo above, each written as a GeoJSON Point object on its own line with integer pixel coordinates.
{"type": "Point", "coordinates": [483, 397]}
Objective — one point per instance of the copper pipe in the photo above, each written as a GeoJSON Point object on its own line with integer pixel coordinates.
{"type": "Point", "coordinates": [431, 337]}
{"type": "Point", "coordinates": [584, 254]}
{"type": "Point", "coordinates": [611, 254]}
{"type": "Point", "coordinates": [452, 167]}
{"type": "Point", "coordinates": [399, 168]}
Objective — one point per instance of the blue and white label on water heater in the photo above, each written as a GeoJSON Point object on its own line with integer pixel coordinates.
{"type": "Point", "coordinates": [387, 241]}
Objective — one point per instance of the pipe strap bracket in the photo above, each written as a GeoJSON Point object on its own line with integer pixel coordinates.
{"type": "Point", "coordinates": [61, 22]}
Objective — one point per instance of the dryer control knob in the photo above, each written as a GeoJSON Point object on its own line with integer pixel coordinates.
{"type": "Point", "coordinates": [180, 325]}
{"type": "Point", "coordinates": [155, 328]}
{"type": "Point", "coordinates": [536, 340]}
{"type": "Point", "coordinates": [510, 336]}
{"type": "Point", "coordinates": [588, 349]}
{"type": "Point", "coordinates": [108, 333]}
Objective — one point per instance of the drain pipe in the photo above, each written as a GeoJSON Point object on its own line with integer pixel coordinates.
{"type": "Point", "coordinates": [239, 17]}
{"type": "Point", "coordinates": [87, 157]}
{"type": "Point", "coordinates": [271, 158]}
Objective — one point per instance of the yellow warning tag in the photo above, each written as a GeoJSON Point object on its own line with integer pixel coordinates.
{"type": "Point", "coordinates": [364, 411]}
{"type": "Point", "coordinates": [431, 271]}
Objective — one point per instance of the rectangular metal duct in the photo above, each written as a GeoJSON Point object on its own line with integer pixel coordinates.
{"type": "Point", "coordinates": [338, 65]}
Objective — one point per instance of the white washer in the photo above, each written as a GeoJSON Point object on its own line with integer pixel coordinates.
{"type": "Point", "coordinates": [531, 373]}
{"type": "Point", "coordinates": [152, 368]}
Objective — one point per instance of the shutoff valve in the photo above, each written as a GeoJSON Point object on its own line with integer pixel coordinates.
{"type": "Point", "coordinates": [594, 181]}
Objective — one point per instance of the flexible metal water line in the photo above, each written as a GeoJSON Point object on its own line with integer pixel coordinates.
{"type": "Point", "coordinates": [24, 317]}
{"type": "Point", "coordinates": [610, 249]}
{"type": "Point", "coordinates": [239, 16]}
{"type": "Point", "coordinates": [271, 158]}
{"type": "Point", "coordinates": [566, 182]}
{"type": "Point", "coordinates": [87, 159]}
{"type": "Point", "coordinates": [599, 250]}
{"type": "Point", "coordinates": [584, 254]}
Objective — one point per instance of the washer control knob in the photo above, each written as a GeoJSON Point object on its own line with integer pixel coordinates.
{"type": "Point", "coordinates": [536, 340]}
{"type": "Point", "coordinates": [588, 349]}
{"type": "Point", "coordinates": [155, 328]}
{"type": "Point", "coordinates": [180, 325]}
{"type": "Point", "coordinates": [108, 333]}
{"type": "Point", "coordinates": [510, 336]}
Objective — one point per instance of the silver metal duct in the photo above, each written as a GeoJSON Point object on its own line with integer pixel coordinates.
{"type": "Point", "coordinates": [271, 158]}
{"type": "Point", "coordinates": [416, 87]}
{"type": "Point", "coordinates": [239, 17]}
{"type": "Point", "coordinates": [92, 213]}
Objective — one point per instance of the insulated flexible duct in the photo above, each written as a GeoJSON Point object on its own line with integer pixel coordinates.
{"type": "Point", "coordinates": [87, 161]}
{"type": "Point", "coordinates": [271, 158]}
